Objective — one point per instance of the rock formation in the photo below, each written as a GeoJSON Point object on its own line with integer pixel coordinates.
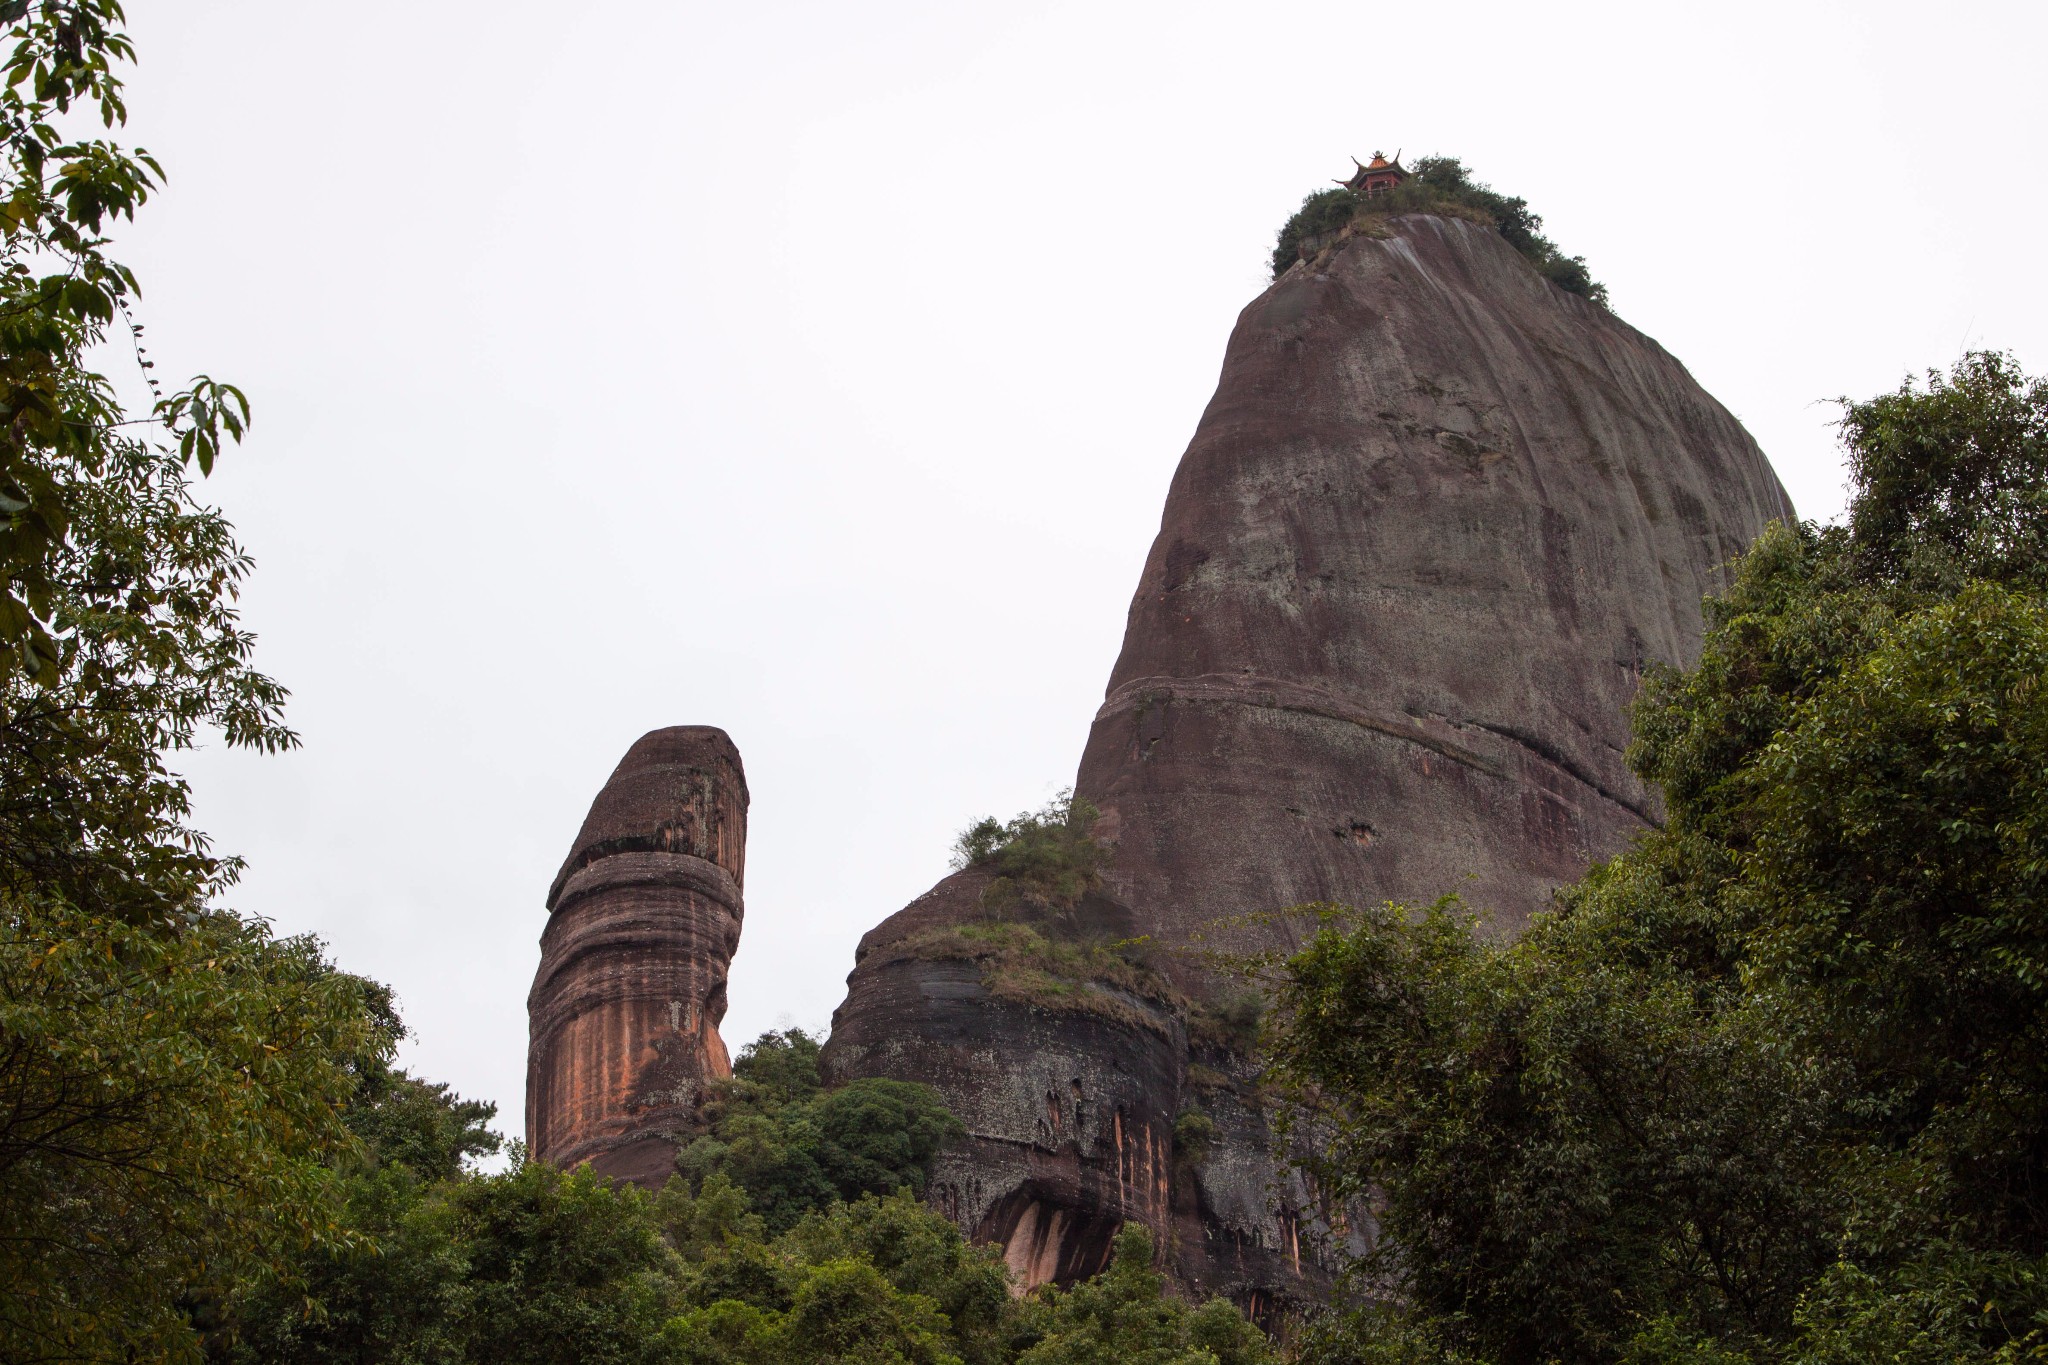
{"type": "Point", "coordinates": [1436, 521]}
{"type": "Point", "coordinates": [643, 920]}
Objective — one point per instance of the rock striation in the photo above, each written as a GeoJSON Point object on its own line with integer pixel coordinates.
{"type": "Point", "coordinates": [643, 920]}
{"type": "Point", "coordinates": [1437, 520]}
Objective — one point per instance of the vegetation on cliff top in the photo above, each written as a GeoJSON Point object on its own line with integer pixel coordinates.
{"type": "Point", "coordinates": [1033, 950]}
{"type": "Point", "coordinates": [1046, 859]}
{"type": "Point", "coordinates": [1021, 962]}
{"type": "Point", "coordinates": [1772, 1086]}
{"type": "Point", "coordinates": [1440, 185]}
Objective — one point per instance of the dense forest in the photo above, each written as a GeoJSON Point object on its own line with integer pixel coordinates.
{"type": "Point", "coordinates": [1767, 1087]}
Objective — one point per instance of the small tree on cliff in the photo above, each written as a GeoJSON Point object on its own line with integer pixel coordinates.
{"type": "Point", "coordinates": [1046, 859]}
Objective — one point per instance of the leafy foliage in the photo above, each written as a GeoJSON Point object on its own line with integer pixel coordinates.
{"type": "Point", "coordinates": [793, 1146]}
{"type": "Point", "coordinates": [535, 1265]}
{"type": "Point", "coordinates": [1123, 1315]}
{"type": "Point", "coordinates": [1045, 859]}
{"type": "Point", "coordinates": [1770, 1086]}
{"type": "Point", "coordinates": [164, 1101]}
{"type": "Point", "coordinates": [118, 634]}
{"type": "Point", "coordinates": [1322, 213]}
{"type": "Point", "coordinates": [1036, 950]}
{"type": "Point", "coordinates": [171, 1077]}
{"type": "Point", "coordinates": [541, 1267]}
{"type": "Point", "coordinates": [1439, 185]}
{"type": "Point", "coordinates": [420, 1125]}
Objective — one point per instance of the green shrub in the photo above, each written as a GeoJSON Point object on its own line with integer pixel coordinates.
{"type": "Point", "coordinates": [1193, 1134]}
{"type": "Point", "coordinates": [781, 1067]}
{"type": "Point", "coordinates": [1438, 185]}
{"type": "Point", "coordinates": [1046, 859]}
{"type": "Point", "coordinates": [1229, 1020]}
{"type": "Point", "coordinates": [1324, 211]}
{"type": "Point", "coordinates": [793, 1147]}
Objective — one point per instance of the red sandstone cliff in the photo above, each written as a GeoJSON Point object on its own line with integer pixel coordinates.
{"type": "Point", "coordinates": [643, 920]}
{"type": "Point", "coordinates": [1436, 520]}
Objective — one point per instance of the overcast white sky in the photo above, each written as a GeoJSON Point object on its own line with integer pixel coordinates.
{"type": "Point", "coordinates": [817, 371]}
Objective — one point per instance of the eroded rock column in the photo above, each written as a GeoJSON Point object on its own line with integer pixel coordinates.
{"type": "Point", "coordinates": [643, 920]}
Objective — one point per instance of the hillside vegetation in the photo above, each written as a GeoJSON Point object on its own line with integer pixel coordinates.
{"type": "Point", "coordinates": [1772, 1086]}
{"type": "Point", "coordinates": [1440, 185]}
{"type": "Point", "coordinates": [793, 1235]}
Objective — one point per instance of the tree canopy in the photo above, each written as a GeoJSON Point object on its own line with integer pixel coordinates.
{"type": "Point", "coordinates": [171, 1075]}
{"type": "Point", "coordinates": [733, 1262]}
{"type": "Point", "coordinates": [792, 1145]}
{"type": "Point", "coordinates": [1770, 1085]}
{"type": "Point", "coordinates": [119, 639]}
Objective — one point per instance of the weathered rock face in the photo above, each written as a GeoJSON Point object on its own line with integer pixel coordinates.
{"type": "Point", "coordinates": [644, 917]}
{"type": "Point", "coordinates": [1071, 1111]}
{"type": "Point", "coordinates": [1436, 521]}
{"type": "Point", "coordinates": [1438, 517]}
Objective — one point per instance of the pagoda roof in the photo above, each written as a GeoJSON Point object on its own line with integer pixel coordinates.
{"type": "Point", "coordinates": [1379, 165]}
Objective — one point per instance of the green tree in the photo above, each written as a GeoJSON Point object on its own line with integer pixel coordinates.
{"type": "Point", "coordinates": [1769, 1085]}
{"type": "Point", "coordinates": [561, 1268]}
{"type": "Point", "coordinates": [119, 640]}
{"type": "Point", "coordinates": [534, 1266]}
{"type": "Point", "coordinates": [542, 1266]}
{"type": "Point", "coordinates": [391, 1287]}
{"type": "Point", "coordinates": [164, 1102]}
{"type": "Point", "coordinates": [843, 1312]}
{"type": "Point", "coordinates": [420, 1125]}
{"type": "Point", "coordinates": [920, 1253]}
{"type": "Point", "coordinates": [171, 1078]}
{"type": "Point", "coordinates": [795, 1147]}
{"type": "Point", "coordinates": [1124, 1316]}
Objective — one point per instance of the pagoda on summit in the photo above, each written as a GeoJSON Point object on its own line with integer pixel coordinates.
{"type": "Point", "coordinates": [1376, 177]}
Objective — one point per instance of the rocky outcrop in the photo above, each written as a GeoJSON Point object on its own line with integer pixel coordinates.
{"type": "Point", "coordinates": [1438, 518]}
{"type": "Point", "coordinates": [643, 920]}
{"type": "Point", "coordinates": [1436, 521]}
{"type": "Point", "coordinates": [1071, 1108]}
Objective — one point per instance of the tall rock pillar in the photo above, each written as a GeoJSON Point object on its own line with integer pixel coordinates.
{"type": "Point", "coordinates": [643, 919]}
